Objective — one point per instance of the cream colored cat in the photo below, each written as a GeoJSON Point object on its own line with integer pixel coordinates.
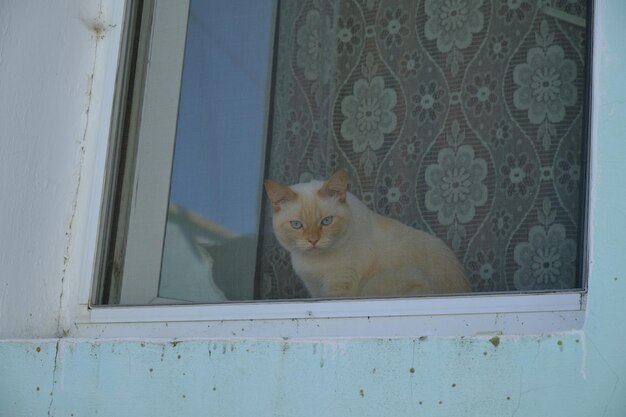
{"type": "Point", "coordinates": [340, 248]}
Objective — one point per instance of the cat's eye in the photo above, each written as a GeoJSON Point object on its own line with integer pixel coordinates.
{"type": "Point", "coordinates": [296, 224]}
{"type": "Point", "coordinates": [327, 220]}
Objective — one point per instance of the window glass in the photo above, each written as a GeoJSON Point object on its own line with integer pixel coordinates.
{"type": "Point", "coordinates": [463, 119]}
{"type": "Point", "coordinates": [212, 225]}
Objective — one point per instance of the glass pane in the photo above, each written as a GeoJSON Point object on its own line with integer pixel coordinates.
{"type": "Point", "coordinates": [210, 245]}
{"type": "Point", "coordinates": [464, 119]}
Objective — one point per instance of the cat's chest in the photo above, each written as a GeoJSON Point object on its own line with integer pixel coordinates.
{"type": "Point", "coordinates": [327, 264]}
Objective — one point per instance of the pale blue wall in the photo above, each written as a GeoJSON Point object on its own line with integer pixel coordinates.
{"type": "Point", "coordinates": [552, 375]}
{"type": "Point", "coordinates": [572, 374]}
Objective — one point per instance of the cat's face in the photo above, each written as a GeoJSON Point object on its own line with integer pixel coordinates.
{"type": "Point", "coordinates": [310, 217]}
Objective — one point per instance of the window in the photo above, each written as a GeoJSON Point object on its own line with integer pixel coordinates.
{"type": "Point", "coordinates": [467, 120]}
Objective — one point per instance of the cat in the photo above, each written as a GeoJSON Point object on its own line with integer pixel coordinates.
{"type": "Point", "coordinates": [340, 248]}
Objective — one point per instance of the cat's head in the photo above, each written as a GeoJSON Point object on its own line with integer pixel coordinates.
{"type": "Point", "coordinates": [310, 217]}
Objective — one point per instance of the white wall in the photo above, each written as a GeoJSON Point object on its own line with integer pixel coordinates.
{"type": "Point", "coordinates": [47, 58]}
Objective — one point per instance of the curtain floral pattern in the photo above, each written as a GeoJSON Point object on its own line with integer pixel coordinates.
{"type": "Point", "coordinates": [462, 118]}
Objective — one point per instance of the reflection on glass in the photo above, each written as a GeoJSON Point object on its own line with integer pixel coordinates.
{"type": "Point", "coordinates": [209, 253]}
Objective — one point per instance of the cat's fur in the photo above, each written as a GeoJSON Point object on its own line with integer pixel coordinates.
{"type": "Point", "coordinates": [361, 253]}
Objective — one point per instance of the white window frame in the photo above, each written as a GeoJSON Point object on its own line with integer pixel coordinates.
{"type": "Point", "coordinates": [462, 315]}
{"type": "Point", "coordinates": [155, 153]}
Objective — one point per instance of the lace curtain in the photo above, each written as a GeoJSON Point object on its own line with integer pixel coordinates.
{"type": "Point", "coordinates": [462, 118]}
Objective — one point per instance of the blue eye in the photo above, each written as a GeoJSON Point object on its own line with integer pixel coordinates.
{"type": "Point", "coordinates": [296, 224]}
{"type": "Point", "coordinates": [327, 220]}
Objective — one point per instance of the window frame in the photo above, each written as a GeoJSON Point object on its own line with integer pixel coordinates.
{"type": "Point", "coordinates": [458, 315]}
{"type": "Point", "coordinates": [146, 226]}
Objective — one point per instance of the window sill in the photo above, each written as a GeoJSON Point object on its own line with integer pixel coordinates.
{"type": "Point", "coordinates": [508, 314]}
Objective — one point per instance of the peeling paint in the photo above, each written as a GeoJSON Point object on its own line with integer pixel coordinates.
{"type": "Point", "coordinates": [495, 341]}
{"type": "Point", "coordinates": [98, 25]}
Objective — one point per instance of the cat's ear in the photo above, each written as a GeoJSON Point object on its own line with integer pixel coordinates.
{"type": "Point", "coordinates": [278, 194]}
{"type": "Point", "coordinates": [336, 186]}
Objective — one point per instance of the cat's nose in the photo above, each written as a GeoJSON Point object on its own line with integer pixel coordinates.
{"type": "Point", "coordinates": [313, 241]}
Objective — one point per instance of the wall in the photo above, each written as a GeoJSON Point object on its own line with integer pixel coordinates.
{"type": "Point", "coordinates": [47, 52]}
{"type": "Point", "coordinates": [48, 109]}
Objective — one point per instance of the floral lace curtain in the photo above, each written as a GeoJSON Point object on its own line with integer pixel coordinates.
{"type": "Point", "coordinates": [462, 118]}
